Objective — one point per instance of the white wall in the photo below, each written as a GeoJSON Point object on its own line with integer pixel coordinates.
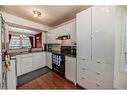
{"type": "Point", "coordinates": [20, 21]}
{"type": "Point", "coordinates": [119, 76]}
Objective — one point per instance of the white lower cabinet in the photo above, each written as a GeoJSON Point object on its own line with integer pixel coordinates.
{"type": "Point", "coordinates": [70, 69]}
{"type": "Point", "coordinates": [38, 60]}
{"type": "Point", "coordinates": [93, 75]}
{"type": "Point", "coordinates": [11, 76]}
{"type": "Point", "coordinates": [26, 63]}
{"type": "Point", "coordinates": [18, 65]}
{"type": "Point", "coordinates": [49, 59]}
{"type": "Point", "coordinates": [29, 62]}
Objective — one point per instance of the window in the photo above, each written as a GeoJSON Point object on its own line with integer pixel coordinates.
{"type": "Point", "coordinates": [14, 42]}
{"type": "Point", "coordinates": [26, 43]}
{"type": "Point", "coordinates": [18, 42]}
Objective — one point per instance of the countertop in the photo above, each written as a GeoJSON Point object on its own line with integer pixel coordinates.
{"type": "Point", "coordinates": [58, 52]}
{"type": "Point", "coordinates": [20, 53]}
{"type": "Point", "coordinates": [13, 55]}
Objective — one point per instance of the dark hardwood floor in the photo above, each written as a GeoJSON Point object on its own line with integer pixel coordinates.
{"type": "Point", "coordinates": [49, 81]}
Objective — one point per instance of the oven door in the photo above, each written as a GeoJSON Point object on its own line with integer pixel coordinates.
{"type": "Point", "coordinates": [58, 64]}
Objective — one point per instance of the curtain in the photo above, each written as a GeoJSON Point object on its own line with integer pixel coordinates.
{"type": "Point", "coordinates": [31, 41]}
{"type": "Point", "coordinates": [9, 37]}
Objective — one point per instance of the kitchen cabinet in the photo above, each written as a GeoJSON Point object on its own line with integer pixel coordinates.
{"type": "Point", "coordinates": [103, 21]}
{"type": "Point", "coordinates": [84, 34]}
{"type": "Point", "coordinates": [26, 63]}
{"type": "Point", "coordinates": [37, 61]}
{"type": "Point", "coordinates": [11, 75]}
{"type": "Point", "coordinates": [95, 47]}
{"type": "Point", "coordinates": [49, 59]}
{"type": "Point", "coordinates": [70, 69]}
{"type": "Point", "coordinates": [73, 31]}
{"type": "Point", "coordinates": [67, 29]}
{"type": "Point", "coordinates": [18, 64]}
{"type": "Point", "coordinates": [51, 37]}
{"type": "Point", "coordinates": [29, 62]}
{"type": "Point", "coordinates": [43, 55]}
{"type": "Point", "coordinates": [99, 74]}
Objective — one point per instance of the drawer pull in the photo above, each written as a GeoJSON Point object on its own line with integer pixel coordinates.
{"type": "Point", "coordinates": [82, 78]}
{"type": "Point", "coordinates": [97, 84]}
{"type": "Point", "coordinates": [98, 62]}
{"type": "Point", "coordinates": [83, 69]}
{"type": "Point", "coordinates": [98, 73]}
{"type": "Point", "coordinates": [83, 59]}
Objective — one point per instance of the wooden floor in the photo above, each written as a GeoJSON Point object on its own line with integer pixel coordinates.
{"type": "Point", "coordinates": [49, 81]}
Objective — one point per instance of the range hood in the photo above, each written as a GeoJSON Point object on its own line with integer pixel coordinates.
{"type": "Point", "coordinates": [64, 37]}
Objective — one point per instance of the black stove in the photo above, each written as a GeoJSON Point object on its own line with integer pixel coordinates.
{"type": "Point", "coordinates": [58, 63]}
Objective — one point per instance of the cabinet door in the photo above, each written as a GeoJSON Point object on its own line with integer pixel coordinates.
{"type": "Point", "coordinates": [37, 61]}
{"type": "Point", "coordinates": [49, 60]}
{"type": "Point", "coordinates": [43, 61]}
{"type": "Point", "coordinates": [103, 34]}
{"type": "Point", "coordinates": [73, 31]}
{"type": "Point", "coordinates": [26, 63]}
{"type": "Point", "coordinates": [83, 20]}
{"type": "Point", "coordinates": [11, 76]}
{"type": "Point", "coordinates": [70, 69]}
{"type": "Point", "coordinates": [18, 64]}
{"type": "Point", "coordinates": [51, 36]}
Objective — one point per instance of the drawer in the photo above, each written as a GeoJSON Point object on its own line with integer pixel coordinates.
{"type": "Point", "coordinates": [26, 55]}
{"type": "Point", "coordinates": [94, 76]}
{"type": "Point", "coordinates": [88, 84]}
{"type": "Point", "coordinates": [104, 76]}
{"type": "Point", "coordinates": [37, 54]}
{"type": "Point", "coordinates": [84, 63]}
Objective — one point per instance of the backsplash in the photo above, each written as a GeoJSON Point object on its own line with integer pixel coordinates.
{"type": "Point", "coordinates": [67, 43]}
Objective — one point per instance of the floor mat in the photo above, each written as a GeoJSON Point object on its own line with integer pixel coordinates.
{"type": "Point", "coordinates": [32, 75]}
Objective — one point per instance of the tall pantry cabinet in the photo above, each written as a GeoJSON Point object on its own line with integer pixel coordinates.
{"type": "Point", "coordinates": [95, 47]}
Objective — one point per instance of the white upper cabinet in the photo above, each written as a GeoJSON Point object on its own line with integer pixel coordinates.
{"type": "Point", "coordinates": [73, 31]}
{"type": "Point", "coordinates": [103, 33]}
{"type": "Point", "coordinates": [83, 21]}
{"type": "Point", "coordinates": [67, 29]}
{"type": "Point", "coordinates": [51, 36]}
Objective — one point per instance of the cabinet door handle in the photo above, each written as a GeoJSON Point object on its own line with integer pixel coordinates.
{"type": "Point", "coordinates": [83, 68]}
{"type": "Point", "coordinates": [97, 84]}
{"type": "Point", "coordinates": [98, 73]}
{"type": "Point", "coordinates": [82, 78]}
{"type": "Point", "coordinates": [98, 61]}
{"type": "Point", "coordinates": [83, 59]}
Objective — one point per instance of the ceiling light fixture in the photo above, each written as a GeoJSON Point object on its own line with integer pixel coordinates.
{"type": "Point", "coordinates": [37, 14]}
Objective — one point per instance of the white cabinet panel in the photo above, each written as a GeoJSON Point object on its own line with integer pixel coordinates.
{"type": "Point", "coordinates": [37, 61]}
{"type": "Point", "coordinates": [51, 36]}
{"type": "Point", "coordinates": [103, 34]}
{"type": "Point", "coordinates": [11, 76]}
{"type": "Point", "coordinates": [30, 62]}
{"type": "Point", "coordinates": [84, 34]}
{"type": "Point", "coordinates": [70, 69]}
{"type": "Point", "coordinates": [18, 64]}
{"type": "Point", "coordinates": [73, 31]}
{"type": "Point", "coordinates": [26, 63]}
{"type": "Point", "coordinates": [49, 59]}
{"type": "Point", "coordinates": [95, 49]}
{"type": "Point", "coordinates": [43, 61]}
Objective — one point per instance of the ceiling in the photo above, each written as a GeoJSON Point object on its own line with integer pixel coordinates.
{"type": "Point", "coordinates": [51, 15]}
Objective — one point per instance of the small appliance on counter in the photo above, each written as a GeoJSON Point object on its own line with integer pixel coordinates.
{"type": "Point", "coordinates": [48, 47]}
{"type": "Point", "coordinates": [58, 63]}
{"type": "Point", "coordinates": [52, 47]}
{"type": "Point", "coordinates": [68, 50]}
